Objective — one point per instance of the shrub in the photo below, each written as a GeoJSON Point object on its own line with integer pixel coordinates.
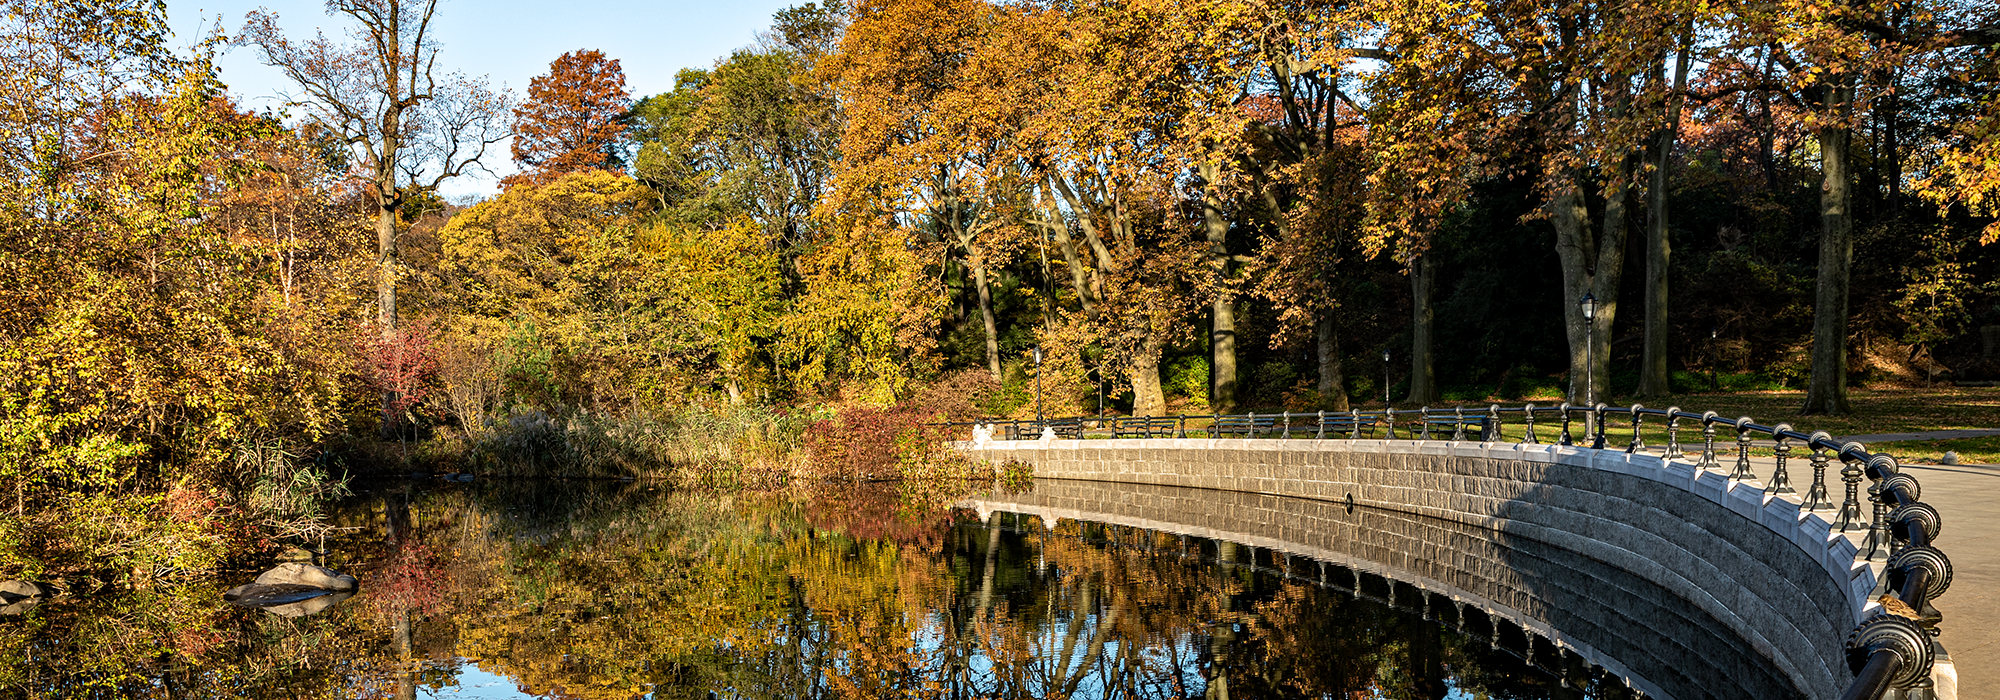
{"type": "Point", "coordinates": [867, 442]}
{"type": "Point", "coordinates": [1188, 376]}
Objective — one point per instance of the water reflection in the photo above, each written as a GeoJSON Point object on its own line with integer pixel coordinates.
{"type": "Point", "coordinates": [603, 590]}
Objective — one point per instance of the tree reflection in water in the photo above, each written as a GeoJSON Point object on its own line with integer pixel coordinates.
{"type": "Point", "coordinates": [606, 590]}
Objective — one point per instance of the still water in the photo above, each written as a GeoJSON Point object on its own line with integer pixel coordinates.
{"type": "Point", "coordinates": [550, 589]}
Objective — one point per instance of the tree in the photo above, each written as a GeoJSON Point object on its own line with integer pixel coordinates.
{"type": "Point", "coordinates": [919, 145]}
{"type": "Point", "coordinates": [1116, 105]}
{"type": "Point", "coordinates": [1575, 99]}
{"type": "Point", "coordinates": [408, 125]}
{"type": "Point", "coordinates": [1303, 158]}
{"type": "Point", "coordinates": [1836, 60]}
{"type": "Point", "coordinates": [572, 120]}
{"type": "Point", "coordinates": [151, 359]}
{"type": "Point", "coordinates": [1654, 378]}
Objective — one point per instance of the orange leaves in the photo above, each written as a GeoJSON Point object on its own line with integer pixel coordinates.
{"type": "Point", "coordinates": [572, 119]}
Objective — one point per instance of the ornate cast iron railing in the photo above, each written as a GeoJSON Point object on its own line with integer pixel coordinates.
{"type": "Point", "coordinates": [1891, 649]}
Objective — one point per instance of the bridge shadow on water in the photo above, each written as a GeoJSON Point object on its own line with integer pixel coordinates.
{"type": "Point", "coordinates": [1462, 597]}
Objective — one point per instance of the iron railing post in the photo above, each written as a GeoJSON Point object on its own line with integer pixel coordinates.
{"type": "Point", "coordinates": [1674, 434]}
{"type": "Point", "coordinates": [1708, 441]}
{"type": "Point", "coordinates": [1781, 481]}
{"type": "Point", "coordinates": [1816, 498]}
{"type": "Point", "coordinates": [1638, 444]}
{"type": "Point", "coordinates": [1742, 471]}
{"type": "Point", "coordinates": [1566, 438]}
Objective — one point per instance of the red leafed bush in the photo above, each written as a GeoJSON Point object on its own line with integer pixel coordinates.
{"type": "Point", "coordinates": [866, 442]}
{"type": "Point", "coordinates": [402, 364]}
{"type": "Point", "coordinates": [413, 581]}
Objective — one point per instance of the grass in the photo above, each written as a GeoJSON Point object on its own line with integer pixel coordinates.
{"type": "Point", "coordinates": [1981, 450]}
{"type": "Point", "coordinates": [1876, 411]}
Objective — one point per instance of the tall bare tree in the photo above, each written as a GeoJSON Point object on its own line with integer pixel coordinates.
{"type": "Point", "coordinates": [409, 125]}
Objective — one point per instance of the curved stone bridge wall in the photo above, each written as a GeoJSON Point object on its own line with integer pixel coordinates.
{"type": "Point", "coordinates": [1773, 577]}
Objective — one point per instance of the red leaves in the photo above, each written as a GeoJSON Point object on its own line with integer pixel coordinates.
{"type": "Point", "coordinates": [402, 364]}
{"type": "Point", "coordinates": [413, 581]}
{"type": "Point", "coordinates": [865, 442]}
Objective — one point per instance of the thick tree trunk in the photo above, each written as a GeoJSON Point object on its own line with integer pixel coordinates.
{"type": "Point", "coordinates": [1826, 393]}
{"type": "Point", "coordinates": [1594, 267]}
{"type": "Point", "coordinates": [1423, 378]}
{"type": "Point", "coordinates": [1222, 309]}
{"type": "Point", "coordinates": [1654, 378]}
{"type": "Point", "coordinates": [1147, 397]}
{"type": "Point", "coordinates": [1332, 382]}
{"type": "Point", "coordinates": [986, 318]}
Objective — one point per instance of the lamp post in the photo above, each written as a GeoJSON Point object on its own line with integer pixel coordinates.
{"type": "Point", "coordinates": [1714, 334]}
{"type": "Point", "coordinates": [1589, 304]}
{"type": "Point", "coordinates": [1385, 377]}
{"type": "Point", "coordinates": [1038, 384]}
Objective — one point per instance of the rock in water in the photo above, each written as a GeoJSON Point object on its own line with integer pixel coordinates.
{"type": "Point", "coordinates": [257, 595]}
{"type": "Point", "coordinates": [298, 554]}
{"type": "Point", "coordinates": [16, 597]}
{"type": "Point", "coordinates": [11, 591]}
{"type": "Point", "coordinates": [284, 599]}
{"type": "Point", "coordinates": [308, 575]}
{"type": "Point", "coordinates": [309, 605]}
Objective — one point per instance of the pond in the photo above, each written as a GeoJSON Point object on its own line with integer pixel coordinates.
{"type": "Point", "coordinates": [569, 589]}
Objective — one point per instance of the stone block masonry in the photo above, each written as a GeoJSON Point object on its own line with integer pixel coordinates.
{"type": "Point", "coordinates": [1751, 568]}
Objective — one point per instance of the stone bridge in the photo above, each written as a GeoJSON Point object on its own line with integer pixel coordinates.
{"type": "Point", "coordinates": [1669, 575]}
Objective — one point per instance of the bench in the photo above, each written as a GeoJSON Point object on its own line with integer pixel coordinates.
{"type": "Point", "coordinates": [1443, 427]}
{"type": "Point", "coordinates": [1144, 426]}
{"type": "Point", "coordinates": [1244, 426]}
{"type": "Point", "coordinates": [1340, 425]}
{"type": "Point", "coordinates": [1066, 428]}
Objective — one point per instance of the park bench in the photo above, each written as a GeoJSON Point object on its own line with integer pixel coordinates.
{"type": "Point", "coordinates": [1066, 428]}
{"type": "Point", "coordinates": [1340, 425]}
{"type": "Point", "coordinates": [1444, 425]}
{"type": "Point", "coordinates": [1242, 426]}
{"type": "Point", "coordinates": [1144, 426]}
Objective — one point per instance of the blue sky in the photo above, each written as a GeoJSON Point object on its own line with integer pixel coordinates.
{"type": "Point", "coordinates": [509, 41]}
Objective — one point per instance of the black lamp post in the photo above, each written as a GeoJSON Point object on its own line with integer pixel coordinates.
{"type": "Point", "coordinates": [1714, 336]}
{"type": "Point", "coordinates": [1589, 304]}
{"type": "Point", "coordinates": [1385, 377]}
{"type": "Point", "coordinates": [1038, 384]}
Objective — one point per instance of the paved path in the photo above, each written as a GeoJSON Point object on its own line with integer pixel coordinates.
{"type": "Point", "coordinates": [1968, 497]}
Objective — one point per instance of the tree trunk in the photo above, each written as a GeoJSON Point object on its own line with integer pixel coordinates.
{"type": "Point", "coordinates": [1594, 267]}
{"type": "Point", "coordinates": [1332, 382]}
{"type": "Point", "coordinates": [1654, 379]}
{"type": "Point", "coordinates": [385, 306]}
{"type": "Point", "coordinates": [1423, 379]}
{"type": "Point", "coordinates": [1826, 393]}
{"type": "Point", "coordinates": [1222, 310]}
{"type": "Point", "coordinates": [1222, 350]}
{"type": "Point", "coordinates": [1147, 397]}
{"type": "Point", "coordinates": [986, 317]}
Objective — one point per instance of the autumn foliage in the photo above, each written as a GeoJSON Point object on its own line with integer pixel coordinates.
{"type": "Point", "coordinates": [865, 442]}
{"type": "Point", "coordinates": [572, 119]}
